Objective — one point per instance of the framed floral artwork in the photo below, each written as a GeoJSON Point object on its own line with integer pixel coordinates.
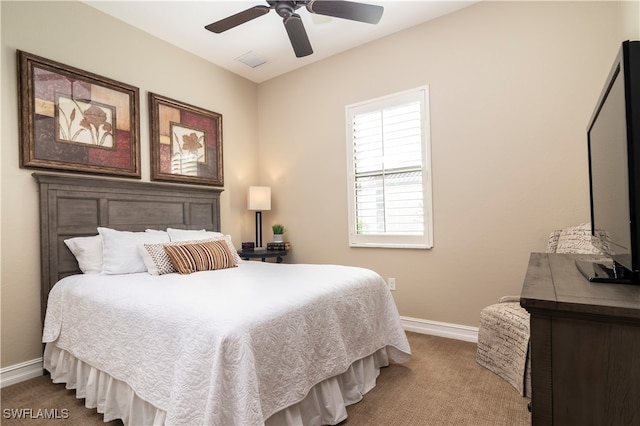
{"type": "Point", "coordinates": [74, 120]}
{"type": "Point", "coordinates": [186, 142]}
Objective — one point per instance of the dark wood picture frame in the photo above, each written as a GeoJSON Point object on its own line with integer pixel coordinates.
{"type": "Point", "coordinates": [186, 142]}
{"type": "Point", "coordinates": [74, 120]}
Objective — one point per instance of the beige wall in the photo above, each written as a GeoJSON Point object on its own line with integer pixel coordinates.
{"type": "Point", "coordinates": [629, 20]}
{"type": "Point", "coordinates": [512, 86]}
{"type": "Point", "coordinates": [75, 34]}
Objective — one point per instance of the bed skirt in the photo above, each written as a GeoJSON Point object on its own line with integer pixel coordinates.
{"type": "Point", "coordinates": [325, 404]}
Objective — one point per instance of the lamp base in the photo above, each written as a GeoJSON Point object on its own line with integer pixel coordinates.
{"type": "Point", "coordinates": [258, 229]}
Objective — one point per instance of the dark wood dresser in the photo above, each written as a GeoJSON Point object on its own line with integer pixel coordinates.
{"type": "Point", "coordinates": [585, 345]}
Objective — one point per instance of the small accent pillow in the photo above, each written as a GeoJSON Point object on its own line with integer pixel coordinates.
{"type": "Point", "coordinates": [88, 252]}
{"type": "Point", "coordinates": [233, 249]}
{"type": "Point", "coordinates": [208, 256]}
{"type": "Point", "coordinates": [576, 240]}
{"type": "Point", "coordinates": [120, 250]}
{"type": "Point", "coordinates": [192, 234]}
{"type": "Point", "coordinates": [156, 259]}
{"type": "Point", "coordinates": [552, 242]}
{"type": "Point", "coordinates": [158, 262]}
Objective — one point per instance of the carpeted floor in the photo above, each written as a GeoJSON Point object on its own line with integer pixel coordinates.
{"type": "Point", "coordinates": [441, 385]}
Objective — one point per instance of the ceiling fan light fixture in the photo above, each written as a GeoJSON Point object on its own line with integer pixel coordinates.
{"type": "Point", "coordinates": [252, 59]}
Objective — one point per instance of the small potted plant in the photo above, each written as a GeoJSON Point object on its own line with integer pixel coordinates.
{"type": "Point", "coordinates": [278, 233]}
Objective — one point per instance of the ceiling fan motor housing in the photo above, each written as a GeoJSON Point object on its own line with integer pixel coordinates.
{"type": "Point", "coordinates": [284, 8]}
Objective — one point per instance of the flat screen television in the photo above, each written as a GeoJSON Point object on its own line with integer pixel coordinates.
{"type": "Point", "coordinates": [613, 136]}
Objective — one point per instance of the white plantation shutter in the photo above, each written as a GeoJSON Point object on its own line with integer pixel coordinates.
{"type": "Point", "coordinates": [389, 173]}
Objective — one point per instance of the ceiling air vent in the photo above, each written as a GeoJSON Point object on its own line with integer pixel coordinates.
{"type": "Point", "coordinates": [252, 59]}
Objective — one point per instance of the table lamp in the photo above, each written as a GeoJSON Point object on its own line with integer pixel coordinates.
{"type": "Point", "coordinates": [259, 199]}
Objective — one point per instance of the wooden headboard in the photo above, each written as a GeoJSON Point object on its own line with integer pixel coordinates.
{"type": "Point", "coordinates": [72, 206]}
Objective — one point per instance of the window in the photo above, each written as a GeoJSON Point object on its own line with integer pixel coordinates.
{"type": "Point", "coordinates": [389, 171]}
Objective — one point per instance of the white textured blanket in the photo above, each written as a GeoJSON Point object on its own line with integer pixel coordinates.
{"type": "Point", "coordinates": [225, 347]}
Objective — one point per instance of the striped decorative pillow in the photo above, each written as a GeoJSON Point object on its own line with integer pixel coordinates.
{"type": "Point", "coordinates": [158, 263]}
{"type": "Point", "coordinates": [205, 256]}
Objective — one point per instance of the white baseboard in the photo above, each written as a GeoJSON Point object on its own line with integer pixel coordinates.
{"type": "Point", "coordinates": [28, 370]}
{"type": "Point", "coordinates": [442, 329]}
{"type": "Point", "coordinates": [20, 372]}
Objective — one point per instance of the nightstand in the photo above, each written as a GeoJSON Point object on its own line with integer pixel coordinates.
{"type": "Point", "coordinates": [263, 254]}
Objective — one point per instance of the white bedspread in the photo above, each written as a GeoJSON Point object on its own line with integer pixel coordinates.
{"type": "Point", "coordinates": [225, 347]}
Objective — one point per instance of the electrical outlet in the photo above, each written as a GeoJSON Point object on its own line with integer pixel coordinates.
{"type": "Point", "coordinates": [392, 283]}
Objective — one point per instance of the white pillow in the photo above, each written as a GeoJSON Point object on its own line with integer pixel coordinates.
{"type": "Point", "coordinates": [120, 253]}
{"type": "Point", "coordinates": [156, 231]}
{"type": "Point", "coordinates": [88, 252]}
{"type": "Point", "coordinates": [192, 234]}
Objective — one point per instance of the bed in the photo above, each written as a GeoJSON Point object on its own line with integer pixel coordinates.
{"type": "Point", "coordinates": [251, 343]}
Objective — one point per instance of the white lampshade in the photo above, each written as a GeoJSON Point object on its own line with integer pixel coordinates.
{"type": "Point", "coordinates": [259, 198]}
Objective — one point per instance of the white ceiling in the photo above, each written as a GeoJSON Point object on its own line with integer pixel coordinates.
{"type": "Point", "coordinates": [181, 23]}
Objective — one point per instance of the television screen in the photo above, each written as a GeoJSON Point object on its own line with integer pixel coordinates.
{"type": "Point", "coordinates": [609, 175]}
{"type": "Point", "coordinates": [614, 172]}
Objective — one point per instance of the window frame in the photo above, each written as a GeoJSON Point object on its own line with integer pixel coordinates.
{"type": "Point", "coordinates": [388, 240]}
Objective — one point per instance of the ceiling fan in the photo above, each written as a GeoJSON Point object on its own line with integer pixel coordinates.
{"type": "Point", "coordinates": [354, 11]}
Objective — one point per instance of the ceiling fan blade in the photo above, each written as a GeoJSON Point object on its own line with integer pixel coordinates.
{"type": "Point", "coordinates": [237, 19]}
{"type": "Point", "coordinates": [297, 35]}
{"type": "Point", "coordinates": [354, 11]}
